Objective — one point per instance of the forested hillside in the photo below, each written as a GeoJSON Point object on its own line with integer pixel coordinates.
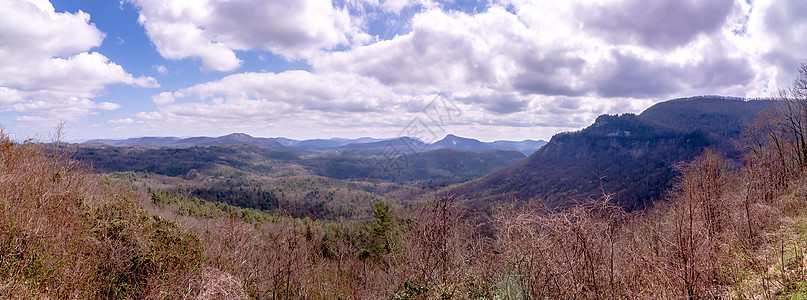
{"type": "Point", "coordinates": [319, 185]}
{"type": "Point", "coordinates": [631, 156]}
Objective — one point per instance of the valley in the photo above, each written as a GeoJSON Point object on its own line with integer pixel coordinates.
{"type": "Point", "coordinates": [323, 180]}
{"type": "Point", "coordinates": [669, 189]}
{"type": "Point", "coordinates": [633, 157]}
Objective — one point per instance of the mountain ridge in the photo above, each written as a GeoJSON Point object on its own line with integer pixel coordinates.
{"type": "Point", "coordinates": [406, 144]}
{"type": "Point", "coordinates": [631, 156]}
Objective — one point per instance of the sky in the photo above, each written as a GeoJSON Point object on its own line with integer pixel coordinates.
{"type": "Point", "coordinates": [491, 70]}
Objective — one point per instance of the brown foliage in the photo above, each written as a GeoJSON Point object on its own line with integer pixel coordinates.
{"type": "Point", "coordinates": [684, 247]}
{"type": "Point", "coordinates": [67, 234]}
{"type": "Point", "coordinates": [708, 235]}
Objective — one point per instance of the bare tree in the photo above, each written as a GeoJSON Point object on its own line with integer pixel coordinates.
{"type": "Point", "coordinates": [784, 125]}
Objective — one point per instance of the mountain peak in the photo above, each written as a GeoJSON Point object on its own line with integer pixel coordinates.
{"type": "Point", "coordinates": [239, 135]}
{"type": "Point", "coordinates": [461, 143]}
{"type": "Point", "coordinates": [453, 137]}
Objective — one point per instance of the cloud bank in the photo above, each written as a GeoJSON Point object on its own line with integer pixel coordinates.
{"type": "Point", "coordinates": [47, 69]}
{"type": "Point", "coordinates": [527, 68]}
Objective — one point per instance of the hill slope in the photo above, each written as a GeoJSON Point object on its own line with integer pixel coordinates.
{"type": "Point", "coordinates": [526, 146]}
{"type": "Point", "coordinates": [443, 165]}
{"type": "Point", "coordinates": [160, 142]}
{"type": "Point", "coordinates": [631, 155]}
{"type": "Point", "coordinates": [69, 234]}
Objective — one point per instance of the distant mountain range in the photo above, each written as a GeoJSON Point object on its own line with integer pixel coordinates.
{"type": "Point", "coordinates": [631, 156]}
{"type": "Point", "coordinates": [365, 144]}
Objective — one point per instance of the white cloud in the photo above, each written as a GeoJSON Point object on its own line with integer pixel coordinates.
{"type": "Point", "coordinates": [329, 104]}
{"type": "Point", "coordinates": [212, 30]}
{"type": "Point", "coordinates": [121, 121]}
{"type": "Point", "coordinates": [658, 24]}
{"type": "Point", "coordinates": [45, 68]}
{"type": "Point", "coordinates": [267, 95]}
{"type": "Point", "coordinates": [272, 101]}
{"type": "Point", "coordinates": [160, 69]}
{"type": "Point", "coordinates": [34, 29]}
{"type": "Point", "coordinates": [529, 65]}
{"type": "Point", "coordinates": [776, 37]}
{"type": "Point", "coordinates": [443, 51]}
{"type": "Point", "coordinates": [82, 75]}
{"type": "Point", "coordinates": [9, 96]}
{"type": "Point", "coordinates": [395, 6]}
{"type": "Point", "coordinates": [558, 48]}
{"type": "Point", "coordinates": [42, 111]}
{"type": "Point", "coordinates": [163, 98]}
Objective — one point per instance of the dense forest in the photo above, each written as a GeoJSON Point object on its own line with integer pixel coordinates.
{"type": "Point", "coordinates": [316, 185]}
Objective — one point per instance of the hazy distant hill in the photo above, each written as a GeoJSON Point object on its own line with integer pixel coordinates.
{"type": "Point", "coordinates": [633, 154]}
{"type": "Point", "coordinates": [142, 141]}
{"type": "Point", "coordinates": [180, 161]}
{"type": "Point", "coordinates": [234, 138]}
{"type": "Point", "coordinates": [364, 144]}
{"type": "Point", "coordinates": [391, 147]}
{"type": "Point", "coordinates": [467, 144]}
{"type": "Point", "coordinates": [332, 142]}
{"type": "Point", "coordinates": [174, 142]}
{"type": "Point", "coordinates": [442, 164]}
{"type": "Point", "coordinates": [526, 146]}
{"type": "Point", "coordinates": [409, 145]}
{"type": "Point", "coordinates": [454, 142]}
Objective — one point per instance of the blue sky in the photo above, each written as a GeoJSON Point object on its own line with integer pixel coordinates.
{"type": "Point", "coordinates": [351, 68]}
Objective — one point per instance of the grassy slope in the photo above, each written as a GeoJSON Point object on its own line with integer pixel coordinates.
{"type": "Point", "coordinates": [779, 267]}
